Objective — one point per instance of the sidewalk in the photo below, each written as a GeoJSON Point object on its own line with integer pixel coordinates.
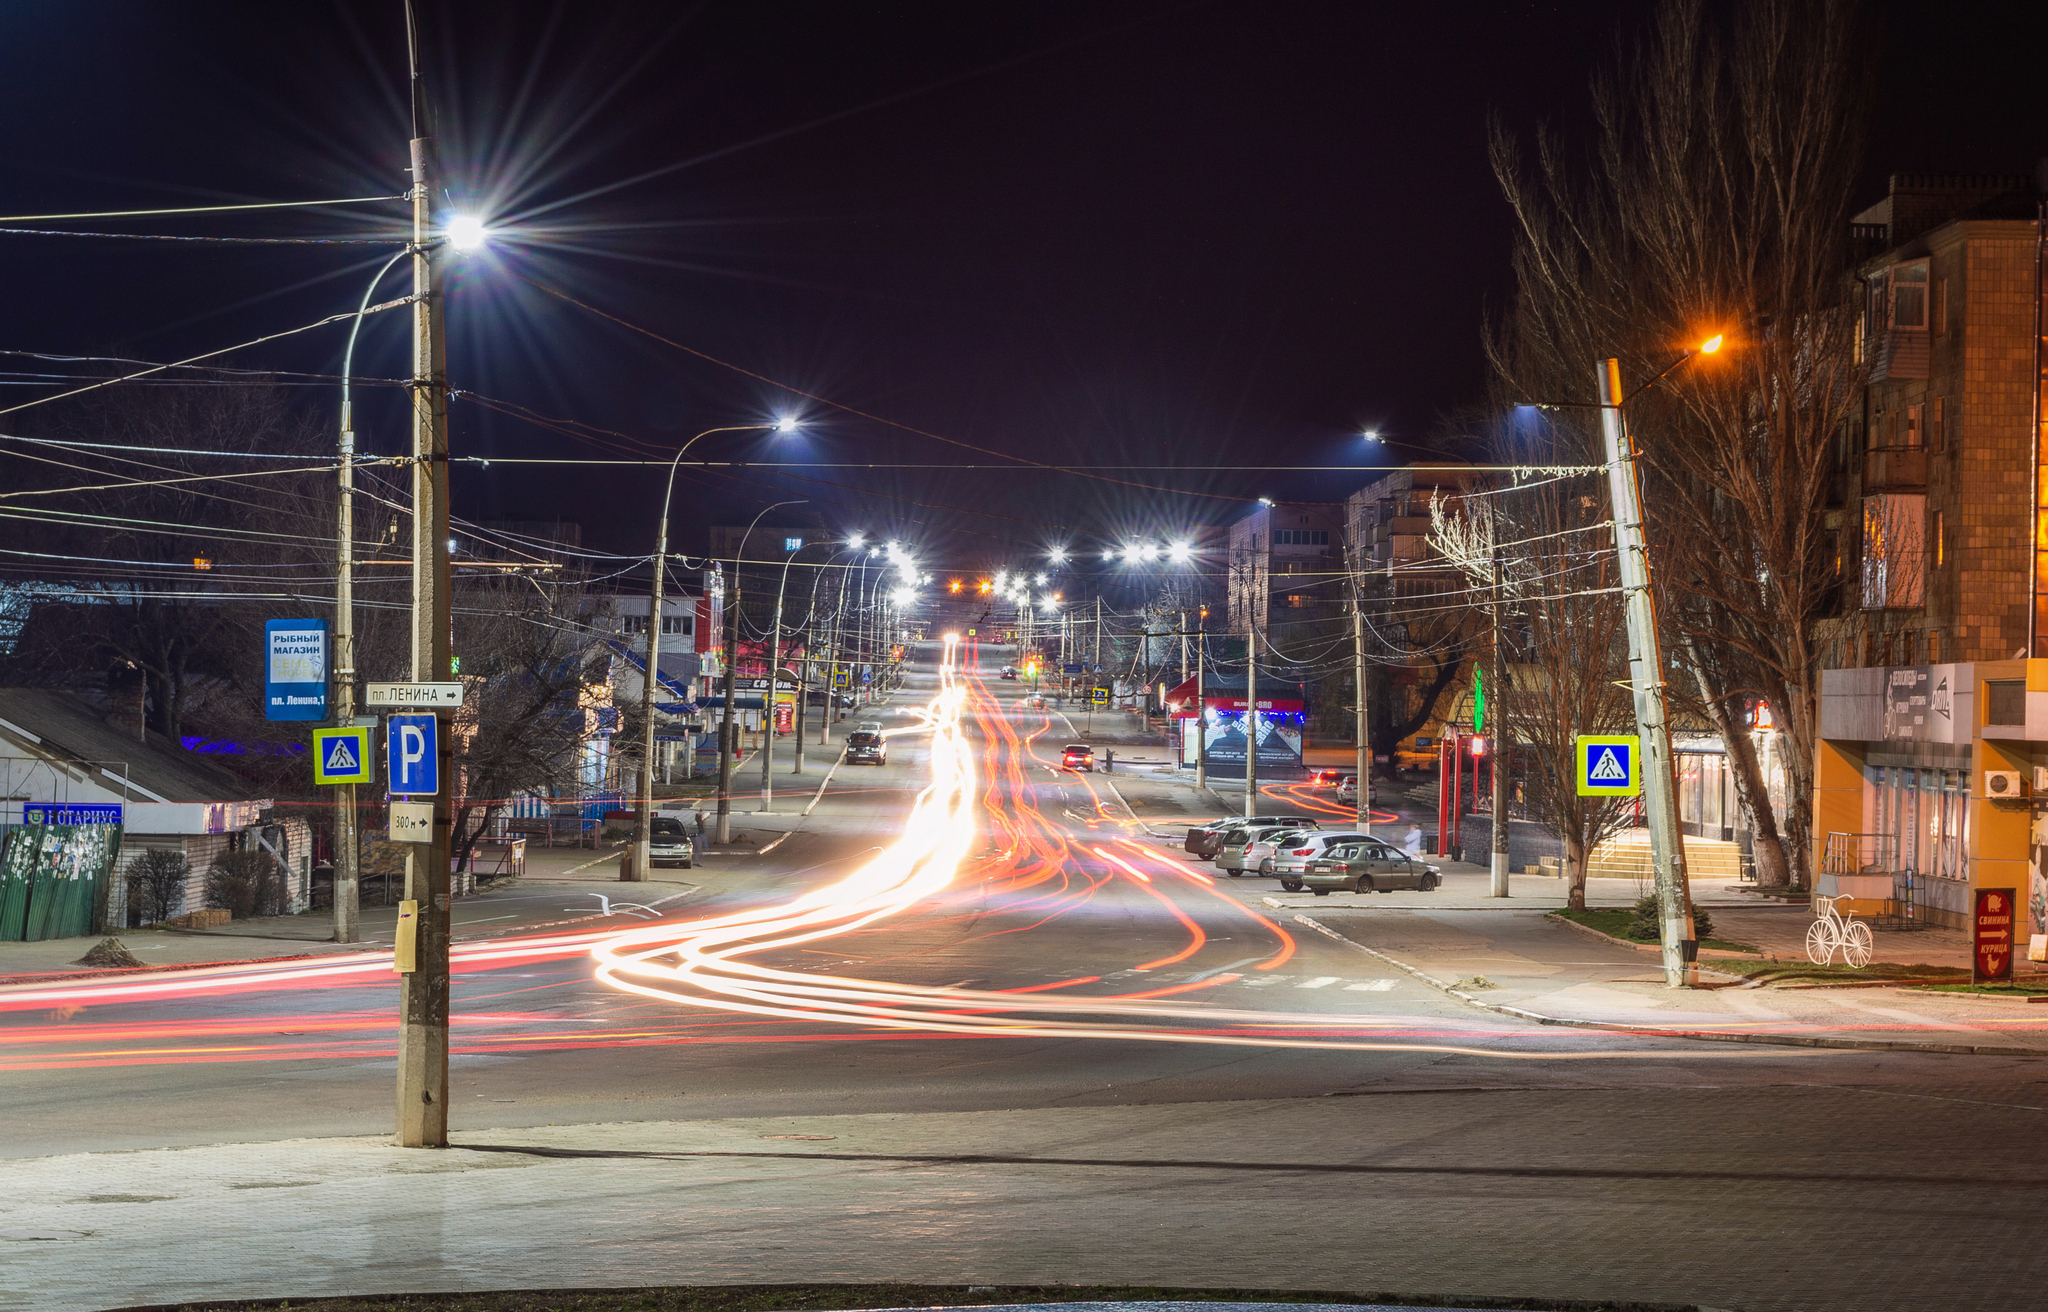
{"type": "Point", "coordinates": [543, 898]}
{"type": "Point", "coordinates": [1536, 969]}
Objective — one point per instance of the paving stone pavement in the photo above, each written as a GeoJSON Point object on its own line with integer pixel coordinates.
{"type": "Point", "coordinates": [1684, 1195]}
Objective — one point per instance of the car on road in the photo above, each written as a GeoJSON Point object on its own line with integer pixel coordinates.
{"type": "Point", "coordinates": [1370, 866]}
{"type": "Point", "coordinates": [1251, 849]}
{"type": "Point", "coordinates": [866, 746]}
{"type": "Point", "coordinates": [1290, 862]}
{"type": "Point", "coordinates": [1009, 672]}
{"type": "Point", "coordinates": [868, 726]}
{"type": "Point", "coordinates": [668, 843]}
{"type": "Point", "coordinates": [1077, 756]}
{"type": "Point", "coordinates": [1328, 778]}
{"type": "Point", "coordinates": [1205, 839]}
{"type": "Point", "coordinates": [1036, 701]}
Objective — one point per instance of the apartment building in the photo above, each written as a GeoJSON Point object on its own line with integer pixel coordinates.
{"type": "Point", "coordinates": [1939, 698]}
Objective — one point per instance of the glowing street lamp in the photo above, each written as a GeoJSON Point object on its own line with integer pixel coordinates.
{"type": "Point", "coordinates": [466, 232]}
{"type": "Point", "coordinates": [1179, 552]}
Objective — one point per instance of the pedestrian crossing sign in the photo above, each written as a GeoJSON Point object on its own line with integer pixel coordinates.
{"type": "Point", "coordinates": [341, 756]}
{"type": "Point", "coordinates": [1608, 765]}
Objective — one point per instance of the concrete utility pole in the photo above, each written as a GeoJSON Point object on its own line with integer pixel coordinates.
{"type": "Point", "coordinates": [1251, 718]}
{"type": "Point", "coordinates": [728, 745]}
{"type": "Point", "coordinates": [638, 860]}
{"type": "Point", "coordinates": [1646, 679]}
{"type": "Point", "coordinates": [423, 991]}
{"type": "Point", "coordinates": [1502, 768]}
{"type": "Point", "coordinates": [768, 698]}
{"type": "Point", "coordinates": [1360, 726]}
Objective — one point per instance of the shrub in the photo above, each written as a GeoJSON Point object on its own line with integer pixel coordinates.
{"type": "Point", "coordinates": [156, 885]}
{"type": "Point", "coordinates": [1646, 928]}
{"type": "Point", "coordinates": [245, 884]}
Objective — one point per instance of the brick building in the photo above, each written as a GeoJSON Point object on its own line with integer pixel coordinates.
{"type": "Point", "coordinates": [1938, 691]}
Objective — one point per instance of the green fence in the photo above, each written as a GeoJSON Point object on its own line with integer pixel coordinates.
{"type": "Point", "coordinates": [54, 879]}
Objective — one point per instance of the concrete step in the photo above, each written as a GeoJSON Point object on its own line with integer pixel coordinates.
{"type": "Point", "coordinates": [1627, 856]}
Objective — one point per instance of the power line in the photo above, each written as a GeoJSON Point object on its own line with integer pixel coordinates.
{"type": "Point", "coordinates": [197, 209]}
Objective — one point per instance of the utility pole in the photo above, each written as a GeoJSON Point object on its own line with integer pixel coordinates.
{"type": "Point", "coordinates": [423, 991]}
{"type": "Point", "coordinates": [347, 848]}
{"type": "Point", "coordinates": [1501, 760]}
{"type": "Point", "coordinates": [1360, 726]}
{"type": "Point", "coordinates": [638, 861]}
{"type": "Point", "coordinates": [1251, 717]}
{"type": "Point", "coordinates": [1096, 672]}
{"type": "Point", "coordinates": [1646, 679]}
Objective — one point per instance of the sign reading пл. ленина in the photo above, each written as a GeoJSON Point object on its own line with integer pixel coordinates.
{"type": "Point", "coordinates": [1991, 935]}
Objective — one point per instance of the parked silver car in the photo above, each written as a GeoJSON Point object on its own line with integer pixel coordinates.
{"type": "Point", "coordinates": [1369, 866]}
{"type": "Point", "coordinates": [1252, 849]}
{"type": "Point", "coordinates": [1206, 840]}
{"type": "Point", "coordinates": [1291, 862]}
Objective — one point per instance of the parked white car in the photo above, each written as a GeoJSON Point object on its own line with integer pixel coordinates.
{"type": "Point", "coordinates": [1251, 851]}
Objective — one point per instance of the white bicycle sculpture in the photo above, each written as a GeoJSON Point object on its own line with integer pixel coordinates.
{"type": "Point", "coordinates": [1833, 929]}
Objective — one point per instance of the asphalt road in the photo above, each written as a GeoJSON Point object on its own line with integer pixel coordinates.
{"type": "Point", "coordinates": [1175, 992]}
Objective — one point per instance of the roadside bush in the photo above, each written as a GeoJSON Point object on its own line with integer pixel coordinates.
{"type": "Point", "coordinates": [245, 884]}
{"type": "Point", "coordinates": [156, 885]}
{"type": "Point", "coordinates": [1645, 928]}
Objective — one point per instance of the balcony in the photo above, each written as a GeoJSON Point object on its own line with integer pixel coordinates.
{"type": "Point", "coordinates": [1401, 526]}
{"type": "Point", "coordinates": [1895, 469]}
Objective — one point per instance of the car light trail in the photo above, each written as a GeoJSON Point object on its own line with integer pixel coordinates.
{"type": "Point", "coordinates": [705, 962]}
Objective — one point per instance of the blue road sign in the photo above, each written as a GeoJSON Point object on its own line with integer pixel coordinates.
{"type": "Point", "coordinates": [412, 763]}
{"type": "Point", "coordinates": [341, 756]}
{"type": "Point", "coordinates": [295, 670]}
{"type": "Point", "coordinates": [72, 813]}
{"type": "Point", "coordinates": [1072, 669]}
{"type": "Point", "coordinates": [1607, 765]}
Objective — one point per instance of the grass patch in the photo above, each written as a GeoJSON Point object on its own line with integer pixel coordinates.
{"type": "Point", "coordinates": [2010, 990]}
{"type": "Point", "coordinates": [1774, 972]}
{"type": "Point", "coordinates": [813, 1298]}
{"type": "Point", "coordinates": [1615, 921]}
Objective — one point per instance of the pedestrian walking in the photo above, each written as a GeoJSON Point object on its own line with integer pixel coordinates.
{"type": "Point", "coordinates": [697, 840]}
{"type": "Point", "coordinates": [1412, 844]}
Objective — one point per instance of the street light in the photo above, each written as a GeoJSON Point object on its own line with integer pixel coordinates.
{"type": "Point", "coordinates": [1371, 435]}
{"type": "Point", "coordinates": [466, 232]}
{"type": "Point", "coordinates": [1179, 552]}
{"type": "Point", "coordinates": [643, 820]}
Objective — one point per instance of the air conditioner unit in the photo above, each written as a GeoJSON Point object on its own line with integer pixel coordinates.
{"type": "Point", "coordinates": [2003, 784]}
{"type": "Point", "coordinates": [2041, 781]}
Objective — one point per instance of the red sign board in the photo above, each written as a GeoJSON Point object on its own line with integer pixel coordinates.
{"type": "Point", "coordinates": [785, 717]}
{"type": "Point", "coordinates": [1993, 934]}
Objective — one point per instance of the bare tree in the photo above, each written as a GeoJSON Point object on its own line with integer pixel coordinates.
{"type": "Point", "coordinates": [1715, 204]}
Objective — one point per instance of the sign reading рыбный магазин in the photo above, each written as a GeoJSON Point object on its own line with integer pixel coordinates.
{"type": "Point", "coordinates": [295, 670]}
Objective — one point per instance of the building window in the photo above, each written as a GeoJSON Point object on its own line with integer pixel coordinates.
{"type": "Point", "coordinates": [1940, 541]}
{"type": "Point", "coordinates": [1912, 433]}
{"type": "Point", "coordinates": [2005, 701]}
{"type": "Point", "coordinates": [1934, 646]}
{"type": "Point", "coordinates": [1300, 537]}
{"type": "Point", "coordinates": [633, 623]}
{"type": "Point", "coordinates": [1909, 295]}
{"type": "Point", "coordinates": [674, 625]}
{"type": "Point", "coordinates": [1937, 427]}
{"type": "Point", "coordinates": [1299, 601]}
{"type": "Point", "coordinates": [1939, 306]}
{"type": "Point", "coordinates": [1894, 552]}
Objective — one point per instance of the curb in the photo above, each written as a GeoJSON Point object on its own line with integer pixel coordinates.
{"type": "Point", "coordinates": [1591, 932]}
{"type": "Point", "coordinates": [1149, 830]}
{"type": "Point", "coordinates": [1665, 1032]}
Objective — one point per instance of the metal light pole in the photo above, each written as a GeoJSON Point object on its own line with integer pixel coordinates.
{"type": "Point", "coordinates": [1251, 718]}
{"type": "Point", "coordinates": [1360, 726]}
{"type": "Point", "coordinates": [768, 699]}
{"type": "Point", "coordinates": [1646, 679]}
{"type": "Point", "coordinates": [637, 862]}
{"type": "Point", "coordinates": [728, 750]}
{"type": "Point", "coordinates": [1202, 699]}
{"type": "Point", "coordinates": [347, 845]}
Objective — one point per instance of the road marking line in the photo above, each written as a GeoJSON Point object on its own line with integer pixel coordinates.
{"type": "Point", "coordinates": [1319, 981]}
{"type": "Point", "coordinates": [1372, 986]}
{"type": "Point", "coordinates": [1221, 969]}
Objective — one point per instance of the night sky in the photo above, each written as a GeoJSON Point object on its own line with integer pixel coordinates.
{"type": "Point", "coordinates": [1145, 235]}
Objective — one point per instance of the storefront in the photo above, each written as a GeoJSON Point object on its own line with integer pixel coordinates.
{"type": "Point", "coordinates": [1929, 784]}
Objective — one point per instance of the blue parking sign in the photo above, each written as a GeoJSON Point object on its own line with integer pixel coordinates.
{"type": "Point", "coordinates": [412, 763]}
